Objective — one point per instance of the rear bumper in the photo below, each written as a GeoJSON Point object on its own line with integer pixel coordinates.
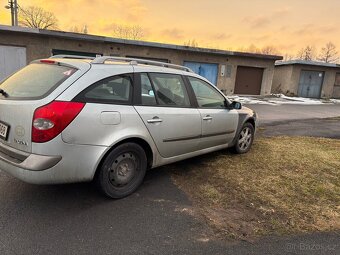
{"type": "Point", "coordinates": [76, 163]}
{"type": "Point", "coordinates": [24, 160]}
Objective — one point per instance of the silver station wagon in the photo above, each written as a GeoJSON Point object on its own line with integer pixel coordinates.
{"type": "Point", "coordinates": [108, 119]}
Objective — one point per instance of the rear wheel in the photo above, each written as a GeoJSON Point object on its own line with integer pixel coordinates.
{"type": "Point", "coordinates": [122, 171]}
{"type": "Point", "coordinates": [245, 139]}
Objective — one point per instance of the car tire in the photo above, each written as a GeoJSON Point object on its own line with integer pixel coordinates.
{"type": "Point", "coordinates": [122, 170]}
{"type": "Point", "coordinates": [245, 139]}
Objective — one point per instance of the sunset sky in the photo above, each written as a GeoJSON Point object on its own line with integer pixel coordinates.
{"type": "Point", "coordinates": [230, 24]}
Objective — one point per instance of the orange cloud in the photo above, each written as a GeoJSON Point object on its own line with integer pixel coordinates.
{"type": "Point", "coordinates": [288, 25]}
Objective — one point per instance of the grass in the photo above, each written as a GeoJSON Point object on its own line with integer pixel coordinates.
{"type": "Point", "coordinates": [283, 185]}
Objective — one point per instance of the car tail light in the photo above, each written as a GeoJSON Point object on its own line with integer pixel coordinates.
{"type": "Point", "coordinates": [47, 61]}
{"type": "Point", "coordinates": [51, 119]}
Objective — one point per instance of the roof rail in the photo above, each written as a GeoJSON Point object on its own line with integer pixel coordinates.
{"type": "Point", "coordinates": [136, 61]}
{"type": "Point", "coordinates": [72, 56]}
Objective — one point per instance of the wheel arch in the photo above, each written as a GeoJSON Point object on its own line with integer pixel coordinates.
{"type": "Point", "coordinates": [140, 141]}
{"type": "Point", "coordinates": [250, 120]}
{"type": "Point", "coordinates": [244, 118]}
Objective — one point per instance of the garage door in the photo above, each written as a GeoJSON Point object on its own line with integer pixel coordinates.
{"type": "Point", "coordinates": [310, 84]}
{"type": "Point", "coordinates": [207, 70]}
{"type": "Point", "coordinates": [248, 80]}
{"type": "Point", "coordinates": [336, 90]}
{"type": "Point", "coordinates": [11, 60]}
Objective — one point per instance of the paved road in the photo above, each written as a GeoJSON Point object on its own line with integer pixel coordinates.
{"type": "Point", "coordinates": [75, 219]}
{"type": "Point", "coordinates": [329, 128]}
{"type": "Point", "coordinates": [299, 120]}
{"type": "Point", "coordinates": [269, 114]}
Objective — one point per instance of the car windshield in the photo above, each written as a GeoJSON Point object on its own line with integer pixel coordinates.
{"type": "Point", "coordinates": [35, 81]}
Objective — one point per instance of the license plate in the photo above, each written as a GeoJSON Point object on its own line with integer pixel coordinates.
{"type": "Point", "coordinates": [4, 128]}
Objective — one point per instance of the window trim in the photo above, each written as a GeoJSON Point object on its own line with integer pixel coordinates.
{"type": "Point", "coordinates": [81, 95]}
{"type": "Point", "coordinates": [152, 86]}
{"type": "Point", "coordinates": [212, 87]}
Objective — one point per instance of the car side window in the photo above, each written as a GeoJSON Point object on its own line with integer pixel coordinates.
{"type": "Point", "coordinates": [148, 94]}
{"type": "Point", "coordinates": [116, 89]}
{"type": "Point", "coordinates": [170, 90]}
{"type": "Point", "coordinates": [207, 97]}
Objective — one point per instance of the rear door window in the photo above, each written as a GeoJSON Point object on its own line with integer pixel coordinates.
{"type": "Point", "coordinates": [170, 90]}
{"type": "Point", "coordinates": [35, 81]}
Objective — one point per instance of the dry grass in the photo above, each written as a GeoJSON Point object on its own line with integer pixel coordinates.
{"type": "Point", "coordinates": [283, 185]}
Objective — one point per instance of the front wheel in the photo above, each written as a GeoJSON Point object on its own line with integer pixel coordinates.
{"type": "Point", "coordinates": [122, 171]}
{"type": "Point", "coordinates": [245, 139]}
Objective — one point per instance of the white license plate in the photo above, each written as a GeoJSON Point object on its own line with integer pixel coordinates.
{"type": "Point", "coordinates": [3, 130]}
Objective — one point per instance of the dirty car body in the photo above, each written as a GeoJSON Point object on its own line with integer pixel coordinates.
{"type": "Point", "coordinates": [63, 120]}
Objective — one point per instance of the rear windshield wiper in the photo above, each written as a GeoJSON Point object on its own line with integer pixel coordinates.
{"type": "Point", "coordinates": [4, 93]}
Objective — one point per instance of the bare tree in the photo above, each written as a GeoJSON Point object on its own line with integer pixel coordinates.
{"type": "Point", "coordinates": [329, 53]}
{"type": "Point", "coordinates": [37, 17]}
{"type": "Point", "coordinates": [288, 57]}
{"type": "Point", "coordinates": [269, 50]}
{"type": "Point", "coordinates": [76, 29]}
{"type": "Point", "coordinates": [191, 43]}
{"type": "Point", "coordinates": [307, 53]}
{"type": "Point", "coordinates": [128, 32]}
{"type": "Point", "coordinates": [85, 29]}
{"type": "Point", "coordinates": [253, 49]}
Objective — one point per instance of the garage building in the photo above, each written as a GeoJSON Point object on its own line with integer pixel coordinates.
{"type": "Point", "coordinates": [309, 79]}
{"type": "Point", "coordinates": [232, 72]}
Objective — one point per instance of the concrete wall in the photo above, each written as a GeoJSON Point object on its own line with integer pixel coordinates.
{"type": "Point", "coordinates": [40, 46]}
{"type": "Point", "coordinates": [287, 77]}
{"type": "Point", "coordinates": [282, 81]}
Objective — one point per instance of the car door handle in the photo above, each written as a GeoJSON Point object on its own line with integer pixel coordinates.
{"type": "Point", "coordinates": [155, 120]}
{"type": "Point", "coordinates": [208, 117]}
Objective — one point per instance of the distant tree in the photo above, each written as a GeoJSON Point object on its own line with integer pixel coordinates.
{"type": "Point", "coordinates": [85, 30]}
{"type": "Point", "coordinates": [191, 43]}
{"type": "Point", "coordinates": [269, 50]}
{"type": "Point", "coordinates": [37, 17]}
{"type": "Point", "coordinates": [76, 29]}
{"type": "Point", "coordinates": [253, 49]}
{"type": "Point", "coordinates": [288, 57]}
{"type": "Point", "coordinates": [128, 32]}
{"type": "Point", "coordinates": [329, 53]}
{"type": "Point", "coordinates": [307, 53]}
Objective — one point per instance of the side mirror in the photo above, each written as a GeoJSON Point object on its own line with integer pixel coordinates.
{"type": "Point", "coordinates": [236, 105]}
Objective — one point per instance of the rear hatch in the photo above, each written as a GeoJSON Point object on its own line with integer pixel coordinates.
{"type": "Point", "coordinates": [31, 87]}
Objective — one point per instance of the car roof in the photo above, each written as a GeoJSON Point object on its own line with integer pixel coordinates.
{"type": "Point", "coordinates": [80, 62]}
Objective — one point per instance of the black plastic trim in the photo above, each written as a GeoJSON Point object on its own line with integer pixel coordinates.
{"type": "Point", "coordinates": [177, 139]}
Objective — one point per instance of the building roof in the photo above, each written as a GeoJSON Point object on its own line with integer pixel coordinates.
{"type": "Point", "coordinates": [96, 38]}
{"type": "Point", "coordinates": [306, 62]}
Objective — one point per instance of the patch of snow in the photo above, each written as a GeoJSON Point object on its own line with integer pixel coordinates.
{"type": "Point", "coordinates": [278, 99]}
{"type": "Point", "coordinates": [297, 100]}
{"type": "Point", "coordinates": [335, 101]}
{"type": "Point", "coordinates": [249, 100]}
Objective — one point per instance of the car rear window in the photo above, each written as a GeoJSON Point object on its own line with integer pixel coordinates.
{"type": "Point", "coordinates": [35, 81]}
